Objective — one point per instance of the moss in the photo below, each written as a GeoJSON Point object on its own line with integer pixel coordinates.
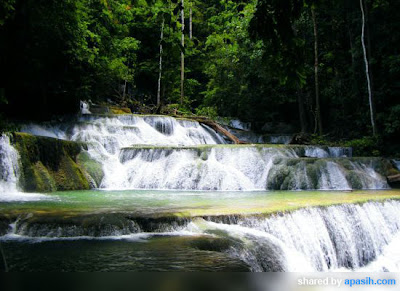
{"type": "Point", "coordinates": [354, 180]}
{"type": "Point", "coordinates": [120, 110]}
{"type": "Point", "coordinates": [203, 155]}
{"type": "Point", "coordinates": [385, 167]}
{"type": "Point", "coordinates": [278, 178]}
{"type": "Point", "coordinates": [314, 175]}
{"type": "Point", "coordinates": [38, 179]}
{"type": "Point", "coordinates": [70, 176]}
{"type": "Point", "coordinates": [93, 168]}
{"type": "Point", "coordinates": [346, 164]}
{"type": "Point", "coordinates": [49, 164]}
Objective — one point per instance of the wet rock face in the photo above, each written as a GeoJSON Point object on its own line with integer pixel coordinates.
{"type": "Point", "coordinates": [49, 164]}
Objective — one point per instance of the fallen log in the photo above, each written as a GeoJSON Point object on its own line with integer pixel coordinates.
{"type": "Point", "coordinates": [218, 128]}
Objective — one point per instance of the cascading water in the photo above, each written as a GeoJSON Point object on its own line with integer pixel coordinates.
{"type": "Point", "coordinates": [156, 152]}
{"type": "Point", "coordinates": [237, 168]}
{"type": "Point", "coordinates": [114, 132]}
{"type": "Point", "coordinates": [9, 174]}
{"type": "Point", "coordinates": [358, 237]}
{"type": "Point", "coordinates": [148, 152]}
{"type": "Point", "coordinates": [9, 169]}
{"type": "Point", "coordinates": [317, 239]}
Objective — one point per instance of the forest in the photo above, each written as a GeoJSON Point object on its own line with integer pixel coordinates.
{"type": "Point", "coordinates": [328, 68]}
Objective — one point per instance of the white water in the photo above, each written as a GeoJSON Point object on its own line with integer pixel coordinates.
{"type": "Point", "coordinates": [9, 174]}
{"type": "Point", "coordinates": [9, 168]}
{"type": "Point", "coordinates": [236, 123]}
{"type": "Point", "coordinates": [196, 169]}
{"type": "Point", "coordinates": [120, 131]}
{"type": "Point", "coordinates": [349, 237]}
{"type": "Point", "coordinates": [84, 107]}
{"type": "Point", "coordinates": [226, 168]}
{"type": "Point", "coordinates": [354, 237]}
{"type": "Point", "coordinates": [328, 152]}
{"type": "Point", "coordinates": [233, 168]}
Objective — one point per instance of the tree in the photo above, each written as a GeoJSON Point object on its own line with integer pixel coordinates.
{"type": "Point", "coordinates": [182, 50]}
{"type": "Point", "coordinates": [160, 65]}
{"type": "Point", "coordinates": [370, 96]}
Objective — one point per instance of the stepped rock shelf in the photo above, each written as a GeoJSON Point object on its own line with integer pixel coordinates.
{"type": "Point", "coordinates": [51, 164]}
{"type": "Point", "coordinates": [251, 167]}
{"type": "Point", "coordinates": [155, 230]}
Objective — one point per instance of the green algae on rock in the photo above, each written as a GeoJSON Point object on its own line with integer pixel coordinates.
{"type": "Point", "coordinates": [92, 168]}
{"type": "Point", "coordinates": [49, 164]}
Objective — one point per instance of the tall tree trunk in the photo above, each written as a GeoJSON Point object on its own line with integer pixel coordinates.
{"type": "Point", "coordinates": [370, 97]}
{"type": "Point", "coordinates": [182, 51]}
{"type": "Point", "coordinates": [369, 49]}
{"type": "Point", "coordinates": [318, 121]}
{"type": "Point", "coordinates": [160, 64]}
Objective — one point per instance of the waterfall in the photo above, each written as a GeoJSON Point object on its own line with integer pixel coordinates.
{"type": "Point", "coordinates": [239, 168]}
{"type": "Point", "coordinates": [9, 174]}
{"type": "Point", "coordinates": [9, 167]}
{"type": "Point", "coordinates": [125, 130]}
{"type": "Point", "coordinates": [161, 152]}
{"type": "Point", "coordinates": [328, 152]}
{"type": "Point", "coordinates": [317, 239]}
{"type": "Point", "coordinates": [358, 237]}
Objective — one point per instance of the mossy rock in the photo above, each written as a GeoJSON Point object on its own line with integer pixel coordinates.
{"type": "Point", "coordinates": [354, 180]}
{"type": "Point", "coordinates": [92, 167]}
{"type": "Point", "coordinates": [49, 164]}
{"type": "Point", "coordinates": [278, 178]}
{"type": "Point", "coordinates": [385, 167]}
{"type": "Point", "coordinates": [38, 179]}
{"type": "Point", "coordinates": [120, 110]}
{"type": "Point", "coordinates": [314, 175]}
{"type": "Point", "coordinates": [70, 176]}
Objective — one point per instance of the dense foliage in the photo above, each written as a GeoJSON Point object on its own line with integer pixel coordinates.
{"type": "Point", "coordinates": [255, 60]}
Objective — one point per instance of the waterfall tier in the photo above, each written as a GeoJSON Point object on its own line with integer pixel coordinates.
{"type": "Point", "coordinates": [257, 167]}
{"type": "Point", "coordinates": [113, 132]}
{"type": "Point", "coordinates": [160, 152]}
{"type": "Point", "coordinates": [315, 239]}
{"type": "Point", "coordinates": [9, 165]}
{"type": "Point", "coordinates": [348, 236]}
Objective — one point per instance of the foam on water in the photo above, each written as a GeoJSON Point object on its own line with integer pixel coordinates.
{"type": "Point", "coordinates": [353, 237]}
{"type": "Point", "coordinates": [9, 166]}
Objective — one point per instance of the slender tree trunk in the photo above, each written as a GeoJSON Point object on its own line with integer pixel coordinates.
{"type": "Point", "coordinates": [369, 49]}
{"type": "Point", "coordinates": [318, 121]}
{"type": "Point", "coordinates": [160, 64]}
{"type": "Point", "coordinates": [370, 97]}
{"type": "Point", "coordinates": [190, 23]}
{"type": "Point", "coordinates": [182, 52]}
